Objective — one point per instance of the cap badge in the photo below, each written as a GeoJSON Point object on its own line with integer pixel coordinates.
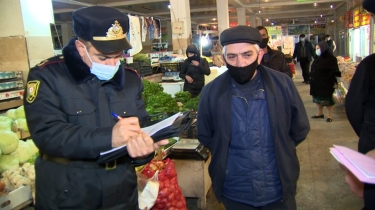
{"type": "Point", "coordinates": [114, 33]}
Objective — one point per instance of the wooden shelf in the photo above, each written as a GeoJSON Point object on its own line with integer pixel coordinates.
{"type": "Point", "coordinates": [4, 105]}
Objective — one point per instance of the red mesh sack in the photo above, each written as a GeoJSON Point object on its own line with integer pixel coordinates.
{"type": "Point", "coordinates": [170, 195]}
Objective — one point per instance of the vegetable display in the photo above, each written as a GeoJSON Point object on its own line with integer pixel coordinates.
{"type": "Point", "coordinates": [170, 195]}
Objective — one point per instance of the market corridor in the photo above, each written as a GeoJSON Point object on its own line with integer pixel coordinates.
{"type": "Point", "coordinates": [321, 184]}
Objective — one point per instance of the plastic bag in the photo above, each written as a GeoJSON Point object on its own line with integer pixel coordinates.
{"type": "Point", "coordinates": [340, 93]}
{"type": "Point", "coordinates": [148, 190]}
{"type": "Point", "coordinates": [170, 194]}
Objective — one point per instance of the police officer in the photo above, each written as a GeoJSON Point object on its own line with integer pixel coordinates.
{"type": "Point", "coordinates": [68, 103]}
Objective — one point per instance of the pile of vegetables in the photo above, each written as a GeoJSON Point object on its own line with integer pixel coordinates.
{"type": "Point", "coordinates": [16, 177]}
{"type": "Point", "coordinates": [170, 196]}
{"type": "Point", "coordinates": [158, 102]}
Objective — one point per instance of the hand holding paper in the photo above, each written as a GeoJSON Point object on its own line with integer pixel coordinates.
{"type": "Point", "coordinates": [362, 166]}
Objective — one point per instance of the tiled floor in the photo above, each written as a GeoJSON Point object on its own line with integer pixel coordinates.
{"type": "Point", "coordinates": [321, 184]}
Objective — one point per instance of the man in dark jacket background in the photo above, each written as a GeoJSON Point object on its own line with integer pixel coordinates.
{"type": "Point", "coordinates": [331, 44]}
{"type": "Point", "coordinates": [304, 52]}
{"type": "Point", "coordinates": [193, 70]}
{"type": "Point", "coordinates": [70, 102]}
{"type": "Point", "coordinates": [251, 118]}
{"type": "Point", "coordinates": [273, 59]}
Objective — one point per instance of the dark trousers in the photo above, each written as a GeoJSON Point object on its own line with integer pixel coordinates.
{"type": "Point", "coordinates": [369, 196]}
{"type": "Point", "coordinates": [290, 204]}
{"type": "Point", "coordinates": [305, 66]}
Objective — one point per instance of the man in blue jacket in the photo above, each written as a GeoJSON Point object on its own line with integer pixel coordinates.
{"type": "Point", "coordinates": [304, 52]}
{"type": "Point", "coordinates": [251, 118]}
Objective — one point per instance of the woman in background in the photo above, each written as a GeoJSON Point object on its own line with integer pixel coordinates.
{"type": "Point", "coordinates": [324, 71]}
{"type": "Point", "coordinates": [193, 70]}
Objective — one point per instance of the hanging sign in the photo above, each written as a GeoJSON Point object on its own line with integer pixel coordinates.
{"type": "Point", "coordinates": [365, 19]}
{"type": "Point", "coordinates": [274, 30]}
{"type": "Point", "coordinates": [348, 19]}
{"type": "Point", "coordinates": [356, 18]}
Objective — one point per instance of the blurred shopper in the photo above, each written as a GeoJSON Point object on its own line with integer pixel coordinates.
{"type": "Point", "coordinates": [360, 109]}
{"type": "Point", "coordinates": [304, 52]}
{"type": "Point", "coordinates": [331, 44]}
{"type": "Point", "coordinates": [324, 71]}
{"type": "Point", "coordinates": [193, 70]}
{"type": "Point", "coordinates": [251, 118]}
{"type": "Point", "coordinates": [273, 59]}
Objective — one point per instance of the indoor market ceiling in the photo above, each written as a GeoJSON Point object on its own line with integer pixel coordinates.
{"type": "Point", "coordinates": [204, 11]}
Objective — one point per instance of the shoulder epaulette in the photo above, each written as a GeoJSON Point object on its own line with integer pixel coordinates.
{"type": "Point", "coordinates": [49, 61]}
{"type": "Point", "coordinates": [132, 70]}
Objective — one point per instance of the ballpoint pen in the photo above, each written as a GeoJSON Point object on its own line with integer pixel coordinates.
{"type": "Point", "coordinates": [116, 116]}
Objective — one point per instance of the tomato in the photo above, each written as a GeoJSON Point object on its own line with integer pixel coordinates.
{"type": "Point", "coordinates": [179, 205]}
{"type": "Point", "coordinates": [171, 197]}
{"type": "Point", "coordinates": [161, 176]}
{"type": "Point", "coordinates": [167, 183]}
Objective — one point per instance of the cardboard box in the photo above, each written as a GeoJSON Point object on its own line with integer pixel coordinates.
{"type": "Point", "coordinates": [15, 198]}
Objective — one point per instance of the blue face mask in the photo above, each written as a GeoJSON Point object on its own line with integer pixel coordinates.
{"type": "Point", "coordinates": [302, 39]}
{"type": "Point", "coordinates": [101, 71]}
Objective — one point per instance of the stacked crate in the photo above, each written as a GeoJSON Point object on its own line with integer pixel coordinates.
{"type": "Point", "coordinates": [11, 89]}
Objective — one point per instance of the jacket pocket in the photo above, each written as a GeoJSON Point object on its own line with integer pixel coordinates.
{"type": "Point", "coordinates": [124, 108]}
{"type": "Point", "coordinates": [79, 110]}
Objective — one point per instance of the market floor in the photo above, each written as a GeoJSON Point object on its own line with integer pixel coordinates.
{"type": "Point", "coordinates": [321, 184]}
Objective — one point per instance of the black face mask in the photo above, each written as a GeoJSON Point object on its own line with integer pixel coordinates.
{"type": "Point", "coordinates": [243, 75]}
{"type": "Point", "coordinates": [264, 43]}
{"type": "Point", "coordinates": [195, 57]}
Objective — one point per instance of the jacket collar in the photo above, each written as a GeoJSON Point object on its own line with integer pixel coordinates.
{"type": "Point", "coordinates": [81, 72]}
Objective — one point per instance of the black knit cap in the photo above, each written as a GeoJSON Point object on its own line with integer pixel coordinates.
{"type": "Point", "coordinates": [240, 34]}
{"type": "Point", "coordinates": [104, 27]}
{"type": "Point", "coordinates": [369, 5]}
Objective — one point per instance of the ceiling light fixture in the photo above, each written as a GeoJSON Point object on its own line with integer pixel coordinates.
{"type": "Point", "coordinates": [331, 5]}
{"type": "Point", "coordinates": [267, 19]}
{"type": "Point", "coordinates": [260, 11]}
{"type": "Point", "coordinates": [315, 4]}
{"type": "Point", "coordinates": [169, 6]}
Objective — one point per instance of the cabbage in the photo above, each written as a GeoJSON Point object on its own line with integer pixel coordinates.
{"type": "Point", "coordinates": [8, 141]}
{"type": "Point", "coordinates": [23, 152]}
{"type": "Point", "coordinates": [5, 123]}
{"type": "Point", "coordinates": [20, 112]}
{"type": "Point", "coordinates": [11, 113]}
{"type": "Point", "coordinates": [7, 162]}
{"type": "Point", "coordinates": [21, 124]}
{"type": "Point", "coordinates": [32, 146]}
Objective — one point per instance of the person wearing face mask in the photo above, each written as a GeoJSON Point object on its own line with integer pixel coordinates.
{"type": "Point", "coordinates": [69, 101]}
{"type": "Point", "coordinates": [251, 118]}
{"type": "Point", "coordinates": [193, 70]}
{"type": "Point", "coordinates": [304, 52]}
{"type": "Point", "coordinates": [273, 59]}
{"type": "Point", "coordinates": [324, 71]}
{"type": "Point", "coordinates": [331, 44]}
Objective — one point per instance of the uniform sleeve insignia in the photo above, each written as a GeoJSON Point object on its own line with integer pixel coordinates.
{"type": "Point", "coordinates": [32, 90]}
{"type": "Point", "coordinates": [42, 63]}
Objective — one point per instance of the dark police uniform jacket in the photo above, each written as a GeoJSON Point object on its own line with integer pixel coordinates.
{"type": "Point", "coordinates": [68, 111]}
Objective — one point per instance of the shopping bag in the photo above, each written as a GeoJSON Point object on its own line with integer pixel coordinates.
{"type": "Point", "coordinates": [339, 93]}
{"type": "Point", "coordinates": [148, 190]}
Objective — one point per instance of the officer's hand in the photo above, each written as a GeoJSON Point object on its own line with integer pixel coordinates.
{"type": "Point", "coordinates": [355, 185]}
{"type": "Point", "coordinates": [189, 79]}
{"type": "Point", "coordinates": [143, 145]}
{"type": "Point", "coordinates": [124, 130]}
{"type": "Point", "coordinates": [195, 63]}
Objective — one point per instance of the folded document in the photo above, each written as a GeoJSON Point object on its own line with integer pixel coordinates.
{"type": "Point", "coordinates": [362, 166]}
